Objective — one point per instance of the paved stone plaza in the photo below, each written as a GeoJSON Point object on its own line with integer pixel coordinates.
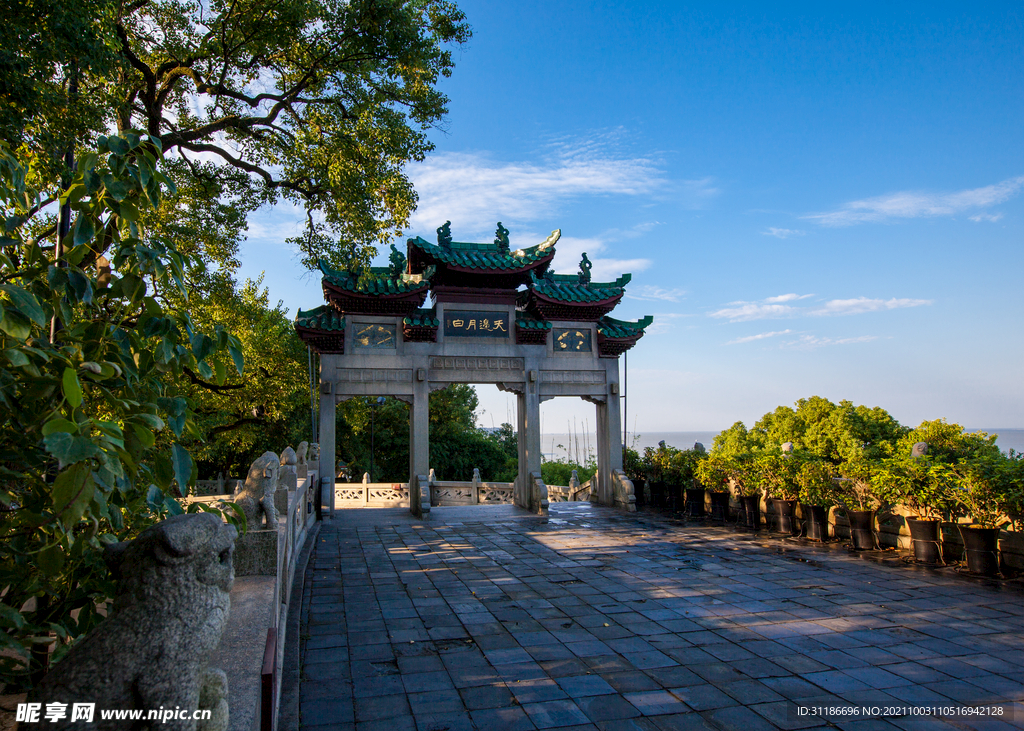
{"type": "Point", "coordinates": [491, 618]}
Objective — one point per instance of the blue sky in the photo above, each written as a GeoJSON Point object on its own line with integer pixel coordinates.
{"type": "Point", "coordinates": [812, 200]}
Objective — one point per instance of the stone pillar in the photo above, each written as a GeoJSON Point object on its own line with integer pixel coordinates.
{"type": "Point", "coordinates": [328, 463]}
{"type": "Point", "coordinates": [603, 492]}
{"type": "Point", "coordinates": [521, 492]}
{"type": "Point", "coordinates": [609, 436]}
{"type": "Point", "coordinates": [528, 412]}
{"type": "Point", "coordinates": [419, 448]}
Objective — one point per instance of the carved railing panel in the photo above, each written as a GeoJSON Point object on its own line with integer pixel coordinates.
{"type": "Point", "coordinates": [622, 491]}
{"type": "Point", "coordinates": [496, 495]}
{"type": "Point", "coordinates": [371, 494]}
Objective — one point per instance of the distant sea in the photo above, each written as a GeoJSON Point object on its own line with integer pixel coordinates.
{"type": "Point", "coordinates": [561, 446]}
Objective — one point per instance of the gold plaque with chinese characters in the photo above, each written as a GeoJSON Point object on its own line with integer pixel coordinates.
{"type": "Point", "coordinates": [466, 324]}
{"type": "Point", "coordinates": [571, 340]}
{"type": "Point", "coordinates": [374, 336]}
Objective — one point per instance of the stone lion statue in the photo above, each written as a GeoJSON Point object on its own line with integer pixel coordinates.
{"type": "Point", "coordinates": [257, 495]}
{"type": "Point", "coordinates": [170, 610]}
{"type": "Point", "coordinates": [301, 462]}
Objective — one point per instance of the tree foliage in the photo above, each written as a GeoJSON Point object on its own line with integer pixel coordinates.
{"type": "Point", "coordinates": [93, 427]}
{"type": "Point", "coordinates": [836, 432]}
{"type": "Point", "coordinates": [320, 101]}
{"type": "Point", "coordinates": [241, 416]}
{"type": "Point", "coordinates": [457, 446]}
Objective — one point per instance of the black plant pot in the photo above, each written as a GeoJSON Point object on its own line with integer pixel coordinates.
{"type": "Point", "coordinates": [657, 492]}
{"type": "Point", "coordinates": [720, 506]}
{"type": "Point", "coordinates": [695, 502]}
{"type": "Point", "coordinates": [981, 546]}
{"type": "Point", "coordinates": [752, 511]}
{"type": "Point", "coordinates": [862, 529]}
{"type": "Point", "coordinates": [815, 521]}
{"type": "Point", "coordinates": [927, 540]}
{"type": "Point", "coordinates": [784, 514]}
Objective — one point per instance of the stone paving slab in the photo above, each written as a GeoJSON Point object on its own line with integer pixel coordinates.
{"type": "Point", "coordinates": [487, 617]}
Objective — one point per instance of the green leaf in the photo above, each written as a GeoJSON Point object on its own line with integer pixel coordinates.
{"type": "Point", "coordinates": [117, 145]}
{"type": "Point", "coordinates": [181, 460]}
{"type": "Point", "coordinates": [25, 302]}
{"type": "Point", "coordinates": [151, 420]}
{"type": "Point", "coordinates": [59, 425]}
{"type": "Point", "coordinates": [81, 285]}
{"type": "Point", "coordinates": [236, 356]}
{"type": "Point", "coordinates": [11, 617]}
{"type": "Point", "coordinates": [72, 388]}
{"type": "Point", "coordinates": [72, 492]}
{"type": "Point", "coordinates": [15, 325]}
{"type": "Point", "coordinates": [50, 560]}
{"type": "Point", "coordinates": [155, 498]}
{"type": "Point", "coordinates": [145, 436]}
{"type": "Point", "coordinates": [202, 346]}
{"type": "Point", "coordinates": [17, 357]}
{"type": "Point", "coordinates": [70, 449]}
{"type": "Point", "coordinates": [221, 373]}
{"type": "Point", "coordinates": [85, 230]}
{"type": "Point", "coordinates": [173, 506]}
{"type": "Point", "coordinates": [116, 189]}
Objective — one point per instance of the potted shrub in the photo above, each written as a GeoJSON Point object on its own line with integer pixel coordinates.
{"type": "Point", "coordinates": [817, 495]}
{"type": "Point", "coordinates": [923, 487]}
{"type": "Point", "coordinates": [981, 495]}
{"type": "Point", "coordinates": [653, 484]}
{"type": "Point", "coordinates": [748, 478]}
{"type": "Point", "coordinates": [859, 501]}
{"type": "Point", "coordinates": [680, 467]}
{"type": "Point", "coordinates": [713, 472]}
{"type": "Point", "coordinates": [778, 472]}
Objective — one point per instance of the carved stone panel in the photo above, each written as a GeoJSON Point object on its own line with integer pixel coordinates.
{"type": "Point", "coordinates": [371, 375]}
{"type": "Point", "coordinates": [476, 364]}
{"type": "Point", "coordinates": [572, 376]}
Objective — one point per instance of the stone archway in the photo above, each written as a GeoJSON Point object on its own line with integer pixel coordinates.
{"type": "Point", "coordinates": [553, 338]}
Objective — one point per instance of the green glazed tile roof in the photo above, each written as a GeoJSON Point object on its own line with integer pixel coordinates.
{"type": "Point", "coordinates": [422, 318]}
{"type": "Point", "coordinates": [530, 322]}
{"type": "Point", "coordinates": [486, 257]}
{"type": "Point", "coordinates": [567, 288]}
{"type": "Point", "coordinates": [374, 281]}
{"type": "Point", "coordinates": [612, 328]}
{"type": "Point", "coordinates": [323, 317]}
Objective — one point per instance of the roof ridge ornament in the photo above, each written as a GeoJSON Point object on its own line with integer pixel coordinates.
{"type": "Point", "coordinates": [585, 267]}
{"type": "Point", "coordinates": [551, 240]}
{"type": "Point", "coordinates": [444, 235]}
{"type": "Point", "coordinates": [397, 259]}
{"type": "Point", "coordinates": [501, 238]}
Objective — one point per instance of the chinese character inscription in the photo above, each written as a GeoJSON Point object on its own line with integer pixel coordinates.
{"type": "Point", "coordinates": [465, 324]}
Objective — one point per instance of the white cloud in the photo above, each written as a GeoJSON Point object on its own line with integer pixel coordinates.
{"type": "Point", "coordinates": [787, 297]}
{"type": "Point", "coordinates": [474, 191]}
{"type": "Point", "coordinates": [746, 311]}
{"type": "Point", "coordinates": [809, 342]}
{"type": "Point", "coordinates": [782, 233]}
{"type": "Point", "coordinates": [664, 322]}
{"type": "Point", "coordinates": [988, 217]}
{"type": "Point", "coordinates": [775, 307]}
{"type": "Point", "coordinates": [695, 194]}
{"type": "Point", "coordinates": [649, 292]}
{"type": "Point", "coordinates": [864, 304]}
{"type": "Point", "coordinates": [760, 336]}
{"type": "Point", "coordinates": [274, 224]}
{"type": "Point", "coordinates": [570, 249]}
{"type": "Point", "coordinates": [912, 204]}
